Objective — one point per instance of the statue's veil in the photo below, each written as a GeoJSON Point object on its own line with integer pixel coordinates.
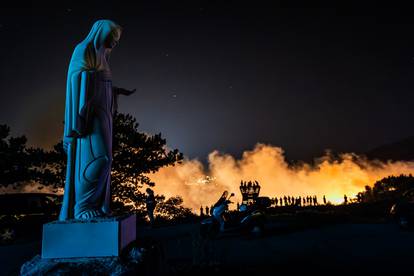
{"type": "Point", "coordinates": [86, 57]}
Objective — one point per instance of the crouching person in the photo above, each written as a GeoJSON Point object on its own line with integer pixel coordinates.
{"type": "Point", "coordinates": [219, 209]}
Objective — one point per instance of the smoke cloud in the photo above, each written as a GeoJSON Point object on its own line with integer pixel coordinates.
{"type": "Point", "coordinates": [332, 177]}
{"type": "Point", "coordinates": [198, 185]}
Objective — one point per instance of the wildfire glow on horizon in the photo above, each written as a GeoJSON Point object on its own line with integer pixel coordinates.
{"type": "Point", "coordinates": [333, 178]}
{"type": "Point", "coordinates": [329, 177]}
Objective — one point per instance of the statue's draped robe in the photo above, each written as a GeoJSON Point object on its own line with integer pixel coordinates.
{"type": "Point", "coordinates": [88, 127]}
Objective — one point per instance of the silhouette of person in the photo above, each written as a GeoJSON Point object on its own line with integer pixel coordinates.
{"type": "Point", "coordinates": [345, 199]}
{"type": "Point", "coordinates": [276, 201]}
{"type": "Point", "coordinates": [150, 204]}
{"type": "Point", "coordinates": [285, 199]}
{"type": "Point", "coordinates": [207, 211]}
{"type": "Point", "coordinates": [324, 200]}
{"type": "Point", "coordinates": [315, 200]}
{"type": "Point", "coordinates": [304, 201]}
{"type": "Point", "coordinates": [201, 211]}
{"type": "Point", "coordinates": [218, 209]}
{"type": "Point", "coordinates": [249, 186]}
{"type": "Point", "coordinates": [359, 197]}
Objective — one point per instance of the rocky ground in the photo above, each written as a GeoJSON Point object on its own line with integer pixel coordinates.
{"type": "Point", "coordinates": [351, 248]}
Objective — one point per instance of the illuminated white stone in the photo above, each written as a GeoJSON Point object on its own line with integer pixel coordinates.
{"type": "Point", "coordinates": [101, 237]}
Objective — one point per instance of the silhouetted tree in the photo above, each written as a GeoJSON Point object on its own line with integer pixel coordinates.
{"type": "Point", "coordinates": [14, 158]}
{"type": "Point", "coordinates": [171, 208]}
{"type": "Point", "coordinates": [388, 188]}
{"type": "Point", "coordinates": [49, 167]}
{"type": "Point", "coordinates": [135, 155]}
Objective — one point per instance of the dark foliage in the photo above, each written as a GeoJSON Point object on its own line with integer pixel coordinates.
{"type": "Point", "coordinates": [172, 208]}
{"type": "Point", "coordinates": [14, 158]}
{"type": "Point", "coordinates": [389, 188]}
{"type": "Point", "coordinates": [49, 167]}
{"type": "Point", "coordinates": [135, 155]}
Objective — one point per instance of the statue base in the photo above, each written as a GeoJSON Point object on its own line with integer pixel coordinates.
{"type": "Point", "coordinates": [100, 237]}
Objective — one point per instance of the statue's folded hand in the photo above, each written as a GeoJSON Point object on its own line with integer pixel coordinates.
{"type": "Point", "coordinates": [66, 142]}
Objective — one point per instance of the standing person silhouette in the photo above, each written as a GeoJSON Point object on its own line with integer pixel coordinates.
{"type": "Point", "coordinates": [150, 204]}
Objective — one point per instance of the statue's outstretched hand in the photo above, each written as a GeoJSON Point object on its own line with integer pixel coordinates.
{"type": "Point", "coordinates": [123, 91]}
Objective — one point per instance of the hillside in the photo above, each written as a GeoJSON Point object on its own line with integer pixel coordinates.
{"type": "Point", "coordinates": [400, 150]}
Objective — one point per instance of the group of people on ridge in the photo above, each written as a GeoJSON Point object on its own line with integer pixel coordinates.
{"type": "Point", "coordinates": [297, 201]}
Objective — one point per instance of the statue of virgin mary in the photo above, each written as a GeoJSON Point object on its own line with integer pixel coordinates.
{"type": "Point", "coordinates": [90, 104]}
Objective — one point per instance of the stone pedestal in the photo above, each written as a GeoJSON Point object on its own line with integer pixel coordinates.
{"type": "Point", "coordinates": [103, 237]}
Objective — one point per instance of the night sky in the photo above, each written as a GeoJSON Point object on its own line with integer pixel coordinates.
{"type": "Point", "coordinates": [213, 75]}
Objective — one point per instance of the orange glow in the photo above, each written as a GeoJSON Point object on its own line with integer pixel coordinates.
{"type": "Point", "coordinates": [200, 186]}
{"type": "Point", "coordinates": [266, 164]}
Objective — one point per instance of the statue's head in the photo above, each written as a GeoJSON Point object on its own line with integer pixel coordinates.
{"type": "Point", "coordinates": [113, 37]}
{"type": "Point", "coordinates": [104, 33]}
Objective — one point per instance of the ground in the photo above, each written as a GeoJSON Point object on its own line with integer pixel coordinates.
{"type": "Point", "coordinates": [379, 248]}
